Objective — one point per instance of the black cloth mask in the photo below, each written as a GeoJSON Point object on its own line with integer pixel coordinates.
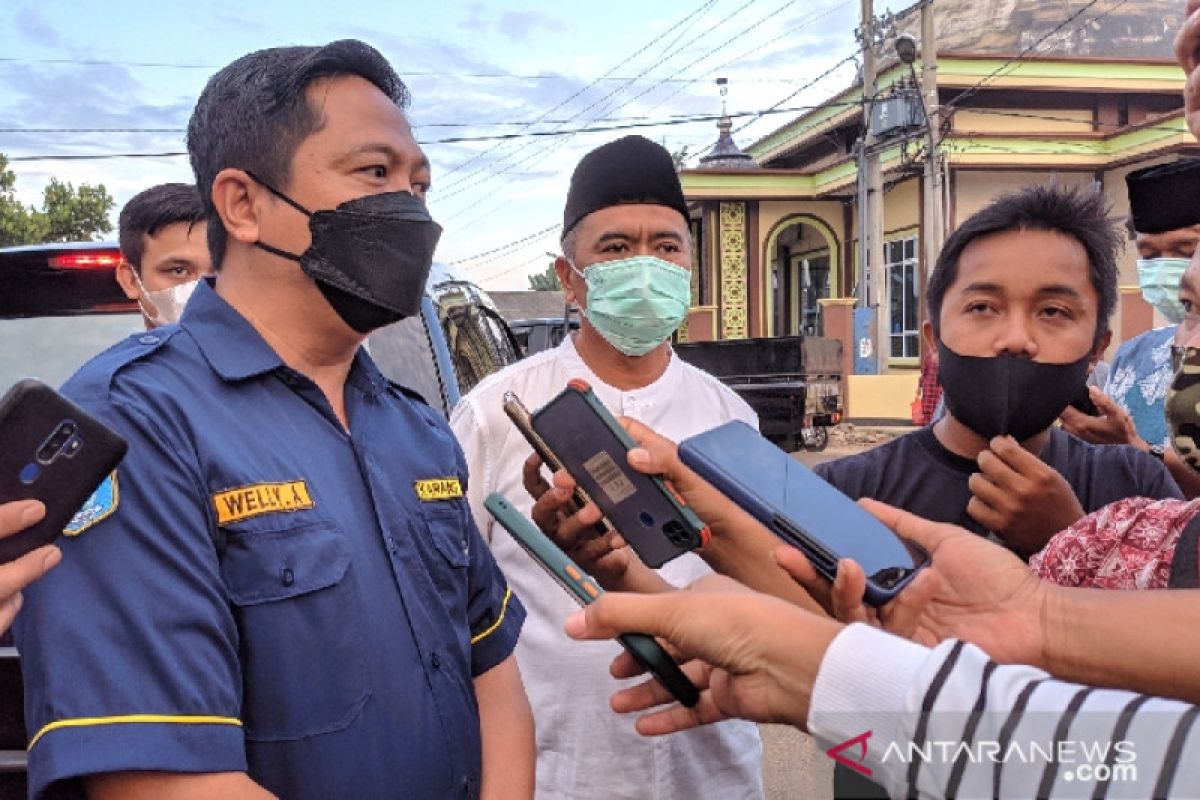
{"type": "Point", "coordinates": [370, 257]}
{"type": "Point", "coordinates": [1008, 395]}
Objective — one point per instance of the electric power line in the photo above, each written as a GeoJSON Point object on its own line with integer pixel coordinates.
{"type": "Point", "coordinates": [407, 73]}
{"type": "Point", "coordinates": [700, 9]}
{"type": "Point", "coordinates": [686, 24]}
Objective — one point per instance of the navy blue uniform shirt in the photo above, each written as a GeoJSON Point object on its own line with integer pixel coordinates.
{"type": "Point", "coordinates": [257, 588]}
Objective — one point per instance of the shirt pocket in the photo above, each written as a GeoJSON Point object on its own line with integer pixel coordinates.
{"type": "Point", "coordinates": [446, 530]}
{"type": "Point", "coordinates": [302, 651]}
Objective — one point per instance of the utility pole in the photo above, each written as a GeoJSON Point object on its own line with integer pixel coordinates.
{"type": "Point", "coordinates": [870, 203]}
{"type": "Point", "coordinates": [935, 218]}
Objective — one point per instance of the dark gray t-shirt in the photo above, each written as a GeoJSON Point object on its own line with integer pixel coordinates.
{"type": "Point", "coordinates": [916, 473]}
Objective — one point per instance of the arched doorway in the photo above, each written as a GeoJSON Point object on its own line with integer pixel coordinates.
{"type": "Point", "coordinates": [801, 265]}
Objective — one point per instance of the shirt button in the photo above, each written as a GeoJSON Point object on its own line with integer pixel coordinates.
{"type": "Point", "coordinates": [287, 577]}
{"type": "Point", "coordinates": [436, 661]}
{"type": "Point", "coordinates": [148, 339]}
{"type": "Point", "coordinates": [393, 548]}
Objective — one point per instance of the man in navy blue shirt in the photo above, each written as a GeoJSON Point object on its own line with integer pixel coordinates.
{"type": "Point", "coordinates": [284, 591]}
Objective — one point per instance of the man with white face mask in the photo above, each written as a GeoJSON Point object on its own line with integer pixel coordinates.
{"type": "Point", "coordinates": [1164, 204]}
{"type": "Point", "coordinates": [627, 260]}
{"type": "Point", "coordinates": [162, 235]}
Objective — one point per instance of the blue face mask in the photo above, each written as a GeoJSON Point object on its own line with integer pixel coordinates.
{"type": "Point", "coordinates": [636, 303]}
{"type": "Point", "coordinates": [1160, 279]}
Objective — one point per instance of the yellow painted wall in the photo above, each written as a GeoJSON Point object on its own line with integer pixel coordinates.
{"type": "Point", "coordinates": [975, 189]}
{"type": "Point", "coordinates": [1067, 120]}
{"type": "Point", "coordinates": [902, 206]}
{"type": "Point", "coordinates": [771, 212]}
{"type": "Point", "coordinates": [887, 396]}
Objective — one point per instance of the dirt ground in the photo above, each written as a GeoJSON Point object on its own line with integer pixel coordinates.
{"type": "Point", "coordinates": [795, 767]}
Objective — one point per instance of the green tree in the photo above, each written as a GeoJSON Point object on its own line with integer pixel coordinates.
{"type": "Point", "coordinates": [67, 214]}
{"type": "Point", "coordinates": [680, 157]}
{"type": "Point", "coordinates": [546, 281]}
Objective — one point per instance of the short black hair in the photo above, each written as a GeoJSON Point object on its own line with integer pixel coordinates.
{"type": "Point", "coordinates": [253, 114]}
{"type": "Point", "coordinates": [1080, 214]}
{"type": "Point", "coordinates": [152, 210]}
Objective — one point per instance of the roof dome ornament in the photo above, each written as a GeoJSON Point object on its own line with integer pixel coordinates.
{"type": "Point", "coordinates": [725, 154]}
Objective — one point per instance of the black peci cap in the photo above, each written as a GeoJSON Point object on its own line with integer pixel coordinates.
{"type": "Point", "coordinates": [630, 170]}
{"type": "Point", "coordinates": [1165, 197]}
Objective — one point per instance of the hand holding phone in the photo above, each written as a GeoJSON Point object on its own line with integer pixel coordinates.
{"type": "Point", "coordinates": [802, 509]}
{"type": "Point", "coordinates": [577, 583]}
{"type": "Point", "coordinates": [594, 448]}
{"type": "Point", "coordinates": [519, 416]}
{"type": "Point", "coordinates": [53, 451]}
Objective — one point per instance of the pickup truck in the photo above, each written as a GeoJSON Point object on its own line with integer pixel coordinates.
{"type": "Point", "coordinates": [793, 383]}
{"type": "Point", "coordinates": [60, 305]}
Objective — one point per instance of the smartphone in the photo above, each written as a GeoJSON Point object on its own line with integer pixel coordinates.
{"type": "Point", "coordinates": [519, 415]}
{"type": "Point", "coordinates": [648, 652]}
{"type": "Point", "coordinates": [50, 450]}
{"type": "Point", "coordinates": [802, 509]}
{"type": "Point", "coordinates": [592, 446]}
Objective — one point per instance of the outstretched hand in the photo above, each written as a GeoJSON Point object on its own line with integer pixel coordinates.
{"type": "Point", "coordinates": [753, 656]}
{"type": "Point", "coordinates": [973, 590]}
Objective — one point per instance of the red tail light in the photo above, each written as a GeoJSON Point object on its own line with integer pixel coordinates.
{"type": "Point", "coordinates": [93, 259]}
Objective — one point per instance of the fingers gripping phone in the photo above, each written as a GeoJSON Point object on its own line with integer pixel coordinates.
{"type": "Point", "coordinates": [648, 652]}
{"type": "Point", "coordinates": [50, 450]}
{"type": "Point", "coordinates": [592, 446]}
{"type": "Point", "coordinates": [519, 415]}
{"type": "Point", "coordinates": [802, 509]}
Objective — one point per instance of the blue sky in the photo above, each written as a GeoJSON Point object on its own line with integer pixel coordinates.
{"type": "Point", "coordinates": [475, 70]}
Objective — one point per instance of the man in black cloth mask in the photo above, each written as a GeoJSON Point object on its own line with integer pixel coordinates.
{"type": "Point", "coordinates": [1019, 303]}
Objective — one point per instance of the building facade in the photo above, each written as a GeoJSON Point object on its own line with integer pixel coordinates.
{"type": "Point", "coordinates": [1021, 98]}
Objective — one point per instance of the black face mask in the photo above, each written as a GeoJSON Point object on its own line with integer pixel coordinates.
{"type": "Point", "coordinates": [370, 257]}
{"type": "Point", "coordinates": [1007, 394]}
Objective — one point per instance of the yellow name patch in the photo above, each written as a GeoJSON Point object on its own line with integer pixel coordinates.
{"type": "Point", "coordinates": [235, 505]}
{"type": "Point", "coordinates": [438, 489]}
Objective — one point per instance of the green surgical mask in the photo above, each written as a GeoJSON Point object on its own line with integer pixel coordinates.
{"type": "Point", "coordinates": [636, 303]}
{"type": "Point", "coordinates": [1160, 279]}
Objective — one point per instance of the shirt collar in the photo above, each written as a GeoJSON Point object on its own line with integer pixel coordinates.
{"type": "Point", "coordinates": [236, 351]}
{"type": "Point", "coordinates": [230, 344]}
{"type": "Point", "coordinates": [662, 387]}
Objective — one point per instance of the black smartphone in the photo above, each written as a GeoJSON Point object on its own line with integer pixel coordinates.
{"type": "Point", "coordinates": [802, 509]}
{"type": "Point", "coordinates": [519, 415]}
{"type": "Point", "coordinates": [592, 446]}
{"type": "Point", "coordinates": [577, 583]}
{"type": "Point", "coordinates": [51, 450]}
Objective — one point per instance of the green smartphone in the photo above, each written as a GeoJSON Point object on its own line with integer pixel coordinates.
{"type": "Point", "coordinates": [585, 590]}
{"type": "Point", "coordinates": [593, 447]}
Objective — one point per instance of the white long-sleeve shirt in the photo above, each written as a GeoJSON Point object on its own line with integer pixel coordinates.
{"type": "Point", "coordinates": [584, 749]}
{"type": "Point", "coordinates": [950, 722]}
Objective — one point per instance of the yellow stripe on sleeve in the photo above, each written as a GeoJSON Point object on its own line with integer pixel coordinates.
{"type": "Point", "coordinates": [170, 719]}
{"type": "Point", "coordinates": [479, 637]}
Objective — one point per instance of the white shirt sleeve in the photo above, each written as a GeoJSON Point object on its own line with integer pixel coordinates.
{"type": "Point", "coordinates": [952, 722]}
{"type": "Point", "coordinates": [470, 429]}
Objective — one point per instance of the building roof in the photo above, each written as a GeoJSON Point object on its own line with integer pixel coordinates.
{"type": "Point", "coordinates": [1134, 29]}
{"type": "Point", "coordinates": [528, 304]}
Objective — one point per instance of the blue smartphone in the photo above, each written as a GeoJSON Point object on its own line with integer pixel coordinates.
{"type": "Point", "coordinates": [577, 583]}
{"type": "Point", "coordinates": [802, 509]}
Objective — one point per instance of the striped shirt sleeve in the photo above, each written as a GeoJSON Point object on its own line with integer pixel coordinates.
{"type": "Point", "coordinates": [952, 722]}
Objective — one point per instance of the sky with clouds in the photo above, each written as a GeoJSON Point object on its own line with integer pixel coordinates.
{"type": "Point", "coordinates": [475, 70]}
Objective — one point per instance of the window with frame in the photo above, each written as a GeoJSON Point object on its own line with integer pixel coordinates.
{"type": "Point", "coordinates": [904, 302]}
